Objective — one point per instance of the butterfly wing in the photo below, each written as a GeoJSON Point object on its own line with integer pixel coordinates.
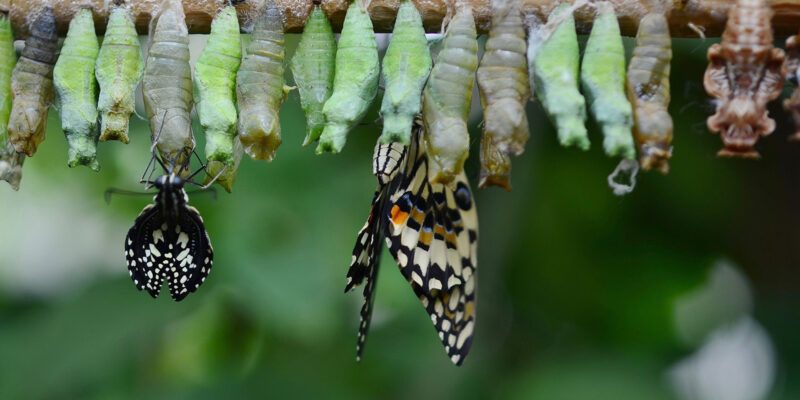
{"type": "Point", "coordinates": [364, 266]}
{"type": "Point", "coordinates": [192, 254]}
{"type": "Point", "coordinates": [432, 232]}
{"type": "Point", "coordinates": [179, 252]}
{"type": "Point", "coordinates": [139, 250]}
{"type": "Point", "coordinates": [387, 161]}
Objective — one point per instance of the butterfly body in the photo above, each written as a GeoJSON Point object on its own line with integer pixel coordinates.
{"type": "Point", "coordinates": [431, 231]}
{"type": "Point", "coordinates": [168, 242]}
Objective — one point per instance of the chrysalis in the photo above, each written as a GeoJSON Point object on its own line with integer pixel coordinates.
{"type": "Point", "coordinates": [556, 75]}
{"type": "Point", "coordinates": [431, 231]}
{"type": "Point", "coordinates": [10, 160]}
{"type": "Point", "coordinates": [447, 97]}
{"type": "Point", "coordinates": [260, 88]}
{"type": "Point", "coordinates": [793, 74]}
{"type": "Point", "coordinates": [648, 92]}
{"type": "Point", "coordinates": [167, 85]}
{"type": "Point", "coordinates": [119, 68]}
{"type": "Point", "coordinates": [503, 83]}
{"type": "Point", "coordinates": [406, 66]}
{"type": "Point", "coordinates": [313, 70]}
{"type": "Point", "coordinates": [744, 73]}
{"type": "Point", "coordinates": [76, 86]}
{"type": "Point", "coordinates": [603, 82]}
{"type": "Point", "coordinates": [215, 91]}
{"type": "Point", "coordinates": [32, 84]}
{"type": "Point", "coordinates": [355, 83]}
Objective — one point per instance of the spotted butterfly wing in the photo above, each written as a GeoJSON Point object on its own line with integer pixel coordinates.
{"type": "Point", "coordinates": [169, 244]}
{"type": "Point", "coordinates": [366, 254]}
{"type": "Point", "coordinates": [431, 231]}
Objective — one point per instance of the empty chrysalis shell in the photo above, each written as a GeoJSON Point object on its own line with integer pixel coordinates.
{"type": "Point", "coordinates": [76, 87]}
{"type": "Point", "coordinates": [406, 66]}
{"type": "Point", "coordinates": [603, 81]}
{"type": "Point", "coordinates": [447, 97]}
{"type": "Point", "coordinates": [32, 84]}
{"type": "Point", "coordinates": [355, 83]}
{"type": "Point", "coordinates": [504, 90]}
{"type": "Point", "coordinates": [648, 92]}
{"type": "Point", "coordinates": [215, 93]}
{"type": "Point", "coordinates": [745, 72]}
{"type": "Point", "coordinates": [556, 67]}
{"type": "Point", "coordinates": [10, 160]}
{"type": "Point", "coordinates": [260, 88]}
{"type": "Point", "coordinates": [313, 66]}
{"type": "Point", "coordinates": [118, 69]}
{"type": "Point", "coordinates": [167, 86]}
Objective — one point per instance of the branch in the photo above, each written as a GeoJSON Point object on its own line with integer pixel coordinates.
{"type": "Point", "coordinates": [709, 14]}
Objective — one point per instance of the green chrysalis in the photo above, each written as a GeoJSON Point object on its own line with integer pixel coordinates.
{"type": "Point", "coordinates": [447, 97]}
{"type": "Point", "coordinates": [603, 81]}
{"type": "Point", "coordinates": [167, 85]}
{"type": "Point", "coordinates": [503, 83]}
{"type": "Point", "coordinates": [32, 84]}
{"type": "Point", "coordinates": [10, 160]}
{"type": "Point", "coordinates": [556, 74]}
{"type": "Point", "coordinates": [355, 83]}
{"type": "Point", "coordinates": [75, 84]}
{"type": "Point", "coordinates": [313, 68]}
{"type": "Point", "coordinates": [406, 66]}
{"type": "Point", "coordinates": [260, 88]}
{"type": "Point", "coordinates": [215, 91]}
{"type": "Point", "coordinates": [119, 68]}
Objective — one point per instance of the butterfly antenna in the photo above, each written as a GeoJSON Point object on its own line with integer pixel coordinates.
{"type": "Point", "coordinates": [207, 185]}
{"type": "Point", "coordinates": [112, 191]}
{"type": "Point", "coordinates": [202, 167]}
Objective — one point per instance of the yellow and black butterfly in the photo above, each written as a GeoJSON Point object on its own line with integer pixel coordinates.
{"type": "Point", "coordinates": [432, 232]}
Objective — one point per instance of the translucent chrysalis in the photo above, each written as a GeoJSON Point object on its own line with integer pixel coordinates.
{"type": "Point", "coordinates": [167, 85]}
{"type": "Point", "coordinates": [447, 97]}
{"type": "Point", "coordinates": [260, 88]}
{"type": "Point", "coordinates": [648, 92]}
{"type": "Point", "coordinates": [503, 82]}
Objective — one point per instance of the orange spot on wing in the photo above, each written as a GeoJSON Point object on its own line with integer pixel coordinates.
{"type": "Point", "coordinates": [425, 237]}
{"type": "Point", "coordinates": [399, 216]}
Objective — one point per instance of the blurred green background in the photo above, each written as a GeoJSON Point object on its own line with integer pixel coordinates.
{"type": "Point", "coordinates": [687, 288]}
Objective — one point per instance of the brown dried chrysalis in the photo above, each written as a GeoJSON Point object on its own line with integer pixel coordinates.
{"type": "Point", "coordinates": [792, 64]}
{"type": "Point", "coordinates": [745, 72]}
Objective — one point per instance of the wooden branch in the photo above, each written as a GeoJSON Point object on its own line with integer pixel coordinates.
{"type": "Point", "coordinates": [708, 14]}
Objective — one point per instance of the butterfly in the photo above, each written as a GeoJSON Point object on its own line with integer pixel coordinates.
{"type": "Point", "coordinates": [431, 230]}
{"type": "Point", "coordinates": [168, 241]}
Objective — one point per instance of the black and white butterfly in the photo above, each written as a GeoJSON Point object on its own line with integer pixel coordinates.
{"type": "Point", "coordinates": [168, 241]}
{"type": "Point", "coordinates": [432, 233]}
